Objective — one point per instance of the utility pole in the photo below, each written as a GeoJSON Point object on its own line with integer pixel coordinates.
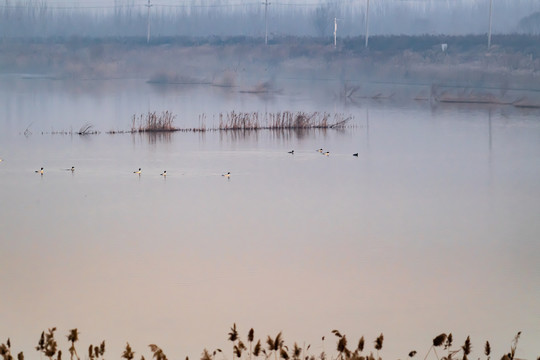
{"type": "Point", "coordinates": [335, 33]}
{"type": "Point", "coordinates": [148, 23]}
{"type": "Point", "coordinates": [489, 31]}
{"type": "Point", "coordinates": [266, 3]}
{"type": "Point", "coordinates": [367, 22]}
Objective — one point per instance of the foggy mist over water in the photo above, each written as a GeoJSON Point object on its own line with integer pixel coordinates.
{"type": "Point", "coordinates": [94, 18]}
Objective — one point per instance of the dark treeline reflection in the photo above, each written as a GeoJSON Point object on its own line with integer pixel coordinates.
{"type": "Point", "coordinates": [29, 18]}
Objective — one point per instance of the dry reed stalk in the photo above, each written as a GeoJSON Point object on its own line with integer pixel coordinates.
{"type": "Point", "coordinates": [73, 337]}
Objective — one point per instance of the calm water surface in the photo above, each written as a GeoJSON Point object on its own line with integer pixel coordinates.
{"type": "Point", "coordinates": [433, 228]}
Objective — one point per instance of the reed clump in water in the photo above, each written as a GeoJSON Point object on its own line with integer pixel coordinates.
{"type": "Point", "coordinates": [153, 122]}
{"type": "Point", "coordinates": [281, 120]}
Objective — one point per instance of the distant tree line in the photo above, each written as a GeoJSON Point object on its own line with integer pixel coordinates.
{"type": "Point", "coordinates": [39, 18]}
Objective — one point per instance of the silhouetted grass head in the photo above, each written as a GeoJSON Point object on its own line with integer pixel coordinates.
{"type": "Point", "coordinates": [297, 350]}
{"type": "Point", "coordinates": [5, 351]}
{"type": "Point", "coordinates": [206, 355]}
{"type": "Point", "coordinates": [41, 342]}
{"type": "Point", "coordinates": [342, 344]}
{"type": "Point", "coordinates": [237, 351]}
{"type": "Point", "coordinates": [467, 347]}
{"type": "Point", "coordinates": [251, 334]}
{"type": "Point", "coordinates": [379, 342]}
{"type": "Point", "coordinates": [257, 348]}
{"type": "Point", "coordinates": [360, 346]}
{"type": "Point", "coordinates": [47, 344]}
{"type": "Point", "coordinates": [514, 345]}
{"type": "Point", "coordinates": [73, 335]}
{"type": "Point", "coordinates": [412, 353]}
{"type": "Point", "coordinates": [233, 334]}
{"type": "Point", "coordinates": [439, 340]}
{"type": "Point", "coordinates": [157, 353]}
{"type": "Point", "coordinates": [449, 340]}
{"type": "Point", "coordinates": [128, 353]}
{"type": "Point", "coordinates": [283, 354]}
{"type": "Point", "coordinates": [274, 344]}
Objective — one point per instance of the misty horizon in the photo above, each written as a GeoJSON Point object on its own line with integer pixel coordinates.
{"type": "Point", "coordinates": [48, 18]}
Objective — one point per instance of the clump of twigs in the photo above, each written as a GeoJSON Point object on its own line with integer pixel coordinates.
{"type": "Point", "coordinates": [87, 129]}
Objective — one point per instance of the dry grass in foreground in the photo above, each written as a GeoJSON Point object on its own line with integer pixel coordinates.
{"type": "Point", "coordinates": [275, 347]}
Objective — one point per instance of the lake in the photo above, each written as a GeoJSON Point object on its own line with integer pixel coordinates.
{"type": "Point", "coordinates": [433, 228]}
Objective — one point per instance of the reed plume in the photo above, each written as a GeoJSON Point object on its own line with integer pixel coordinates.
{"type": "Point", "coordinates": [215, 352]}
{"type": "Point", "coordinates": [283, 354]}
{"type": "Point", "coordinates": [233, 336]}
{"type": "Point", "coordinates": [487, 350]}
{"type": "Point", "coordinates": [239, 348]}
{"type": "Point", "coordinates": [128, 354]}
{"type": "Point", "coordinates": [5, 351]}
{"type": "Point", "coordinates": [257, 349]}
{"type": "Point", "coordinates": [466, 347]}
{"type": "Point", "coordinates": [206, 355]}
{"type": "Point", "coordinates": [449, 340]}
{"type": "Point", "coordinates": [360, 346]}
{"type": "Point", "coordinates": [250, 337]}
{"type": "Point", "coordinates": [439, 340]}
{"type": "Point", "coordinates": [513, 347]}
{"type": "Point", "coordinates": [237, 351]}
{"type": "Point", "coordinates": [157, 352]}
{"type": "Point", "coordinates": [275, 344]}
{"type": "Point", "coordinates": [412, 353]}
{"type": "Point", "coordinates": [342, 347]}
{"type": "Point", "coordinates": [47, 343]}
{"type": "Point", "coordinates": [379, 344]}
{"type": "Point", "coordinates": [73, 337]}
{"type": "Point", "coordinates": [297, 351]}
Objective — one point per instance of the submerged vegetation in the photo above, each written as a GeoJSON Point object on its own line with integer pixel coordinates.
{"type": "Point", "coordinates": [48, 346]}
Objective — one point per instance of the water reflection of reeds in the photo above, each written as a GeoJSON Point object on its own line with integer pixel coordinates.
{"type": "Point", "coordinates": [285, 135]}
{"type": "Point", "coordinates": [155, 137]}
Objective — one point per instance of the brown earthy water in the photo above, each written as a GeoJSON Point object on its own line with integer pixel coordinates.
{"type": "Point", "coordinates": [432, 228]}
